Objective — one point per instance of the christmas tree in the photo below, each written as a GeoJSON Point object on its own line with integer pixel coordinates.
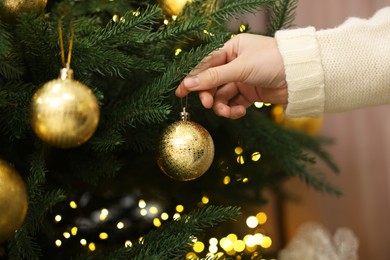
{"type": "Point", "coordinates": [98, 192]}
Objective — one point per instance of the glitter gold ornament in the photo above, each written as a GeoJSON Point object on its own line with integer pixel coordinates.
{"type": "Point", "coordinates": [64, 112]}
{"type": "Point", "coordinates": [185, 149]}
{"type": "Point", "coordinates": [9, 9]}
{"type": "Point", "coordinates": [13, 201]}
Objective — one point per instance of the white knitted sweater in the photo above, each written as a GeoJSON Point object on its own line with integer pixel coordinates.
{"type": "Point", "coordinates": [337, 69]}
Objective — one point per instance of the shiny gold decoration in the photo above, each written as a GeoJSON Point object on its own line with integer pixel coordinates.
{"type": "Point", "coordinates": [173, 7]}
{"type": "Point", "coordinates": [10, 9]}
{"type": "Point", "coordinates": [185, 150]}
{"type": "Point", "coordinates": [13, 201]}
{"type": "Point", "coordinates": [64, 112]}
{"type": "Point", "coordinates": [309, 125]}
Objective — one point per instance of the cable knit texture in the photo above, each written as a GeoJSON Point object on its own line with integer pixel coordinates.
{"type": "Point", "coordinates": [337, 69]}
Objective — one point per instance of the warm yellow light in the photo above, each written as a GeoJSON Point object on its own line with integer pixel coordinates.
{"type": "Point", "coordinates": [259, 238]}
{"type": "Point", "coordinates": [205, 200]}
{"type": "Point", "coordinates": [250, 240]}
{"type": "Point", "coordinates": [141, 204]}
{"type": "Point", "coordinates": [239, 246]}
{"type": "Point", "coordinates": [213, 241]}
{"type": "Point", "coordinates": [198, 247]}
{"type": "Point", "coordinates": [232, 237]}
{"type": "Point", "coordinates": [240, 159]}
{"type": "Point", "coordinates": [136, 13]}
{"type": "Point", "coordinates": [179, 208]}
{"type": "Point", "coordinates": [245, 180]}
{"type": "Point", "coordinates": [251, 249]}
{"type": "Point", "coordinates": [267, 242]}
{"type": "Point", "coordinates": [174, 17]}
{"type": "Point", "coordinates": [178, 51]}
{"type": "Point", "coordinates": [66, 235]}
{"type": "Point", "coordinates": [252, 222]}
{"type": "Point", "coordinates": [191, 256]}
{"type": "Point", "coordinates": [73, 205]}
{"type": "Point", "coordinates": [115, 18]}
{"type": "Point", "coordinates": [103, 214]}
{"type": "Point", "coordinates": [153, 210]}
{"type": "Point", "coordinates": [261, 217]}
{"type": "Point", "coordinates": [83, 241]}
{"type": "Point", "coordinates": [57, 218]}
{"type": "Point", "coordinates": [238, 150]}
{"type": "Point", "coordinates": [256, 156]}
{"type": "Point", "coordinates": [92, 246]}
{"type": "Point", "coordinates": [267, 104]}
{"type": "Point", "coordinates": [166, 21]}
{"type": "Point", "coordinates": [226, 244]}
{"type": "Point", "coordinates": [213, 249]}
{"type": "Point", "coordinates": [259, 104]}
{"type": "Point", "coordinates": [103, 236]}
{"type": "Point", "coordinates": [143, 212]}
{"type": "Point", "coordinates": [226, 180]}
{"type": "Point", "coordinates": [164, 216]}
{"type": "Point", "coordinates": [242, 28]}
{"type": "Point", "coordinates": [120, 225]}
{"type": "Point", "coordinates": [128, 243]}
{"type": "Point", "coordinates": [73, 231]}
{"type": "Point", "coordinates": [176, 216]}
{"type": "Point", "coordinates": [58, 243]}
{"type": "Point", "coordinates": [278, 110]}
{"type": "Point", "coordinates": [156, 222]}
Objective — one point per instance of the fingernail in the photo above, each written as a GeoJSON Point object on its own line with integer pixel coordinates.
{"type": "Point", "coordinates": [191, 82]}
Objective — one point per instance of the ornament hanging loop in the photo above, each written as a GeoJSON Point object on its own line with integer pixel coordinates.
{"type": "Point", "coordinates": [184, 115]}
{"type": "Point", "coordinates": [66, 64]}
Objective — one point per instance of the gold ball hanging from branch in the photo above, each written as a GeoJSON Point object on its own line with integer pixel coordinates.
{"type": "Point", "coordinates": [173, 7]}
{"type": "Point", "coordinates": [13, 201]}
{"type": "Point", "coordinates": [10, 9]}
{"type": "Point", "coordinates": [185, 150]}
{"type": "Point", "coordinates": [64, 112]}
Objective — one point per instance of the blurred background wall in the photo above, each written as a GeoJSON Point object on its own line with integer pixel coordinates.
{"type": "Point", "coordinates": [361, 149]}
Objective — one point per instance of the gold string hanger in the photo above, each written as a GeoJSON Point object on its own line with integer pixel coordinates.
{"type": "Point", "coordinates": [61, 38]}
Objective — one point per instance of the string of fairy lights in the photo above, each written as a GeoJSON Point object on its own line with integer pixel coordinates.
{"type": "Point", "coordinates": [214, 247]}
{"type": "Point", "coordinates": [232, 245]}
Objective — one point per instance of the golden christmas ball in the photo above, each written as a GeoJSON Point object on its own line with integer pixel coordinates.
{"type": "Point", "coordinates": [13, 201]}
{"type": "Point", "coordinates": [10, 9]}
{"type": "Point", "coordinates": [185, 150]}
{"type": "Point", "coordinates": [173, 7]}
{"type": "Point", "coordinates": [64, 112]}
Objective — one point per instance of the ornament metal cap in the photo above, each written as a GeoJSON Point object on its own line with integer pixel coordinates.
{"type": "Point", "coordinates": [184, 115]}
{"type": "Point", "coordinates": [66, 73]}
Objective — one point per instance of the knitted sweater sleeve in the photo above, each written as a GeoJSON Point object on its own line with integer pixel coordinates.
{"type": "Point", "coordinates": [339, 69]}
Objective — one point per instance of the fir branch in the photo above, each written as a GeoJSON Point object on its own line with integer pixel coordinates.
{"type": "Point", "coordinates": [282, 15]}
{"type": "Point", "coordinates": [287, 151]}
{"type": "Point", "coordinates": [15, 98]}
{"type": "Point", "coordinates": [107, 141]}
{"type": "Point", "coordinates": [174, 30]}
{"type": "Point", "coordinates": [144, 20]}
{"type": "Point", "coordinates": [11, 67]}
{"type": "Point", "coordinates": [5, 41]}
{"type": "Point", "coordinates": [40, 202]}
{"type": "Point", "coordinates": [234, 9]}
{"type": "Point", "coordinates": [174, 239]}
{"type": "Point", "coordinates": [146, 105]}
